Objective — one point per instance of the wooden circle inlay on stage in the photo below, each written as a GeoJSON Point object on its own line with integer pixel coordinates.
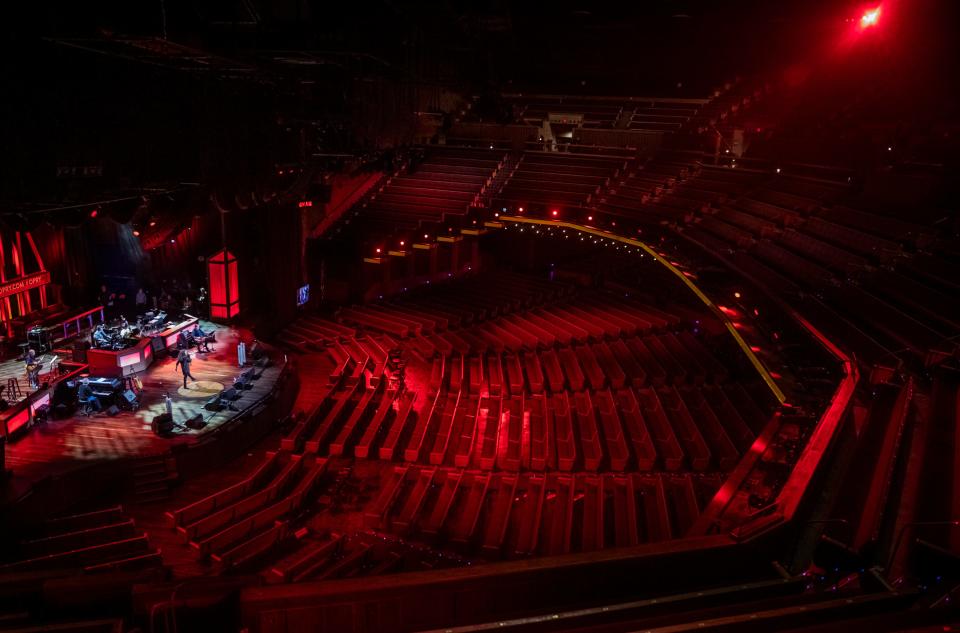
{"type": "Point", "coordinates": [201, 389]}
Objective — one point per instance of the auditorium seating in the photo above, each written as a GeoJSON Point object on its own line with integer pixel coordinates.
{"type": "Point", "coordinates": [652, 115]}
{"type": "Point", "coordinates": [550, 180]}
{"type": "Point", "coordinates": [509, 514]}
{"type": "Point", "coordinates": [311, 332]}
{"type": "Point", "coordinates": [101, 541]}
{"type": "Point", "coordinates": [74, 559]}
{"type": "Point", "coordinates": [539, 418]}
{"type": "Point", "coordinates": [445, 183]}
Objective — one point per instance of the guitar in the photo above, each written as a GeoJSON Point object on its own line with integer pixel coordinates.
{"type": "Point", "coordinates": [33, 369]}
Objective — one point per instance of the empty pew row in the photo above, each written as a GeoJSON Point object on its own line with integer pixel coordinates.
{"type": "Point", "coordinates": [522, 514]}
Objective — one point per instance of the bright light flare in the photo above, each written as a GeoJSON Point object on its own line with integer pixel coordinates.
{"type": "Point", "coordinates": [870, 18]}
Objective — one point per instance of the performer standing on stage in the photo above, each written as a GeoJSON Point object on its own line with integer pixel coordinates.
{"type": "Point", "coordinates": [184, 360]}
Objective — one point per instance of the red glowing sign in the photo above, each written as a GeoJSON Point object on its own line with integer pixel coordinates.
{"type": "Point", "coordinates": [27, 282]}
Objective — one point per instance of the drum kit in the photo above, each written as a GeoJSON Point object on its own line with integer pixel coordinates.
{"type": "Point", "coordinates": [120, 334]}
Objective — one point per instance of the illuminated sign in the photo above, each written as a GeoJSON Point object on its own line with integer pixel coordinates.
{"type": "Point", "coordinates": [22, 284]}
{"type": "Point", "coordinates": [18, 421]}
{"type": "Point", "coordinates": [130, 359]}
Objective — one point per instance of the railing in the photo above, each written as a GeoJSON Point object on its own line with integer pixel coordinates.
{"type": "Point", "coordinates": [361, 193]}
{"type": "Point", "coordinates": [71, 326]}
{"type": "Point", "coordinates": [22, 414]}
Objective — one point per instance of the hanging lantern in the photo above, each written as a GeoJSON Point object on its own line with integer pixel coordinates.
{"type": "Point", "coordinates": [224, 285]}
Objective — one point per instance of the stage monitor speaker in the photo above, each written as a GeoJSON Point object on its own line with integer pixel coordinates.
{"type": "Point", "coordinates": [196, 422]}
{"type": "Point", "coordinates": [129, 396]}
{"type": "Point", "coordinates": [230, 394]}
{"type": "Point", "coordinates": [113, 410]}
{"type": "Point", "coordinates": [42, 414]}
{"type": "Point", "coordinates": [163, 424]}
{"type": "Point", "coordinates": [214, 403]}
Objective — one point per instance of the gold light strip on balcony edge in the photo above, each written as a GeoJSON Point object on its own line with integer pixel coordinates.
{"type": "Point", "coordinates": [767, 378]}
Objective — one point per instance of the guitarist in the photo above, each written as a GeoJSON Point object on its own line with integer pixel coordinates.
{"type": "Point", "coordinates": [32, 366]}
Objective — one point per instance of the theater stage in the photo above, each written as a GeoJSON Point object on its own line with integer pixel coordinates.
{"type": "Point", "coordinates": [58, 446]}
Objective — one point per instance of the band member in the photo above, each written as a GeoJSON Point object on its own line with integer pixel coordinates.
{"type": "Point", "coordinates": [100, 338]}
{"type": "Point", "coordinates": [202, 301]}
{"type": "Point", "coordinates": [85, 395]}
{"type": "Point", "coordinates": [200, 338]}
{"type": "Point", "coordinates": [33, 368]}
{"type": "Point", "coordinates": [184, 360]}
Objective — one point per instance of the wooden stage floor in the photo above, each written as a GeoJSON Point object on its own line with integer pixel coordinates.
{"type": "Point", "coordinates": [58, 446]}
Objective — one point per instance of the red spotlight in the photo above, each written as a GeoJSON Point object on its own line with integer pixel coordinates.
{"type": "Point", "coordinates": [136, 233]}
{"type": "Point", "coordinates": [870, 18]}
{"type": "Point", "coordinates": [378, 250]}
{"type": "Point", "coordinates": [93, 213]}
{"type": "Point", "coordinates": [520, 209]}
{"type": "Point", "coordinates": [554, 213]}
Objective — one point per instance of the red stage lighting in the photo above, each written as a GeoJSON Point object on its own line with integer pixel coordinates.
{"type": "Point", "coordinates": [554, 213]}
{"type": "Point", "coordinates": [93, 213]}
{"type": "Point", "coordinates": [870, 18]}
{"type": "Point", "coordinates": [136, 233]}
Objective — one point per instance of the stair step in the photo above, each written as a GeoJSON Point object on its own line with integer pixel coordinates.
{"type": "Point", "coordinates": [156, 468]}
{"type": "Point", "coordinates": [165, 478]}
{"type": "Point", "coordinates": [146, 490]}
{"type": "Point", "coordinates": [159, 496]}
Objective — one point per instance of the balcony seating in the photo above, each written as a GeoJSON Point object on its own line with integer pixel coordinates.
{"type": "Point", "coordinates": [550, 179]}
